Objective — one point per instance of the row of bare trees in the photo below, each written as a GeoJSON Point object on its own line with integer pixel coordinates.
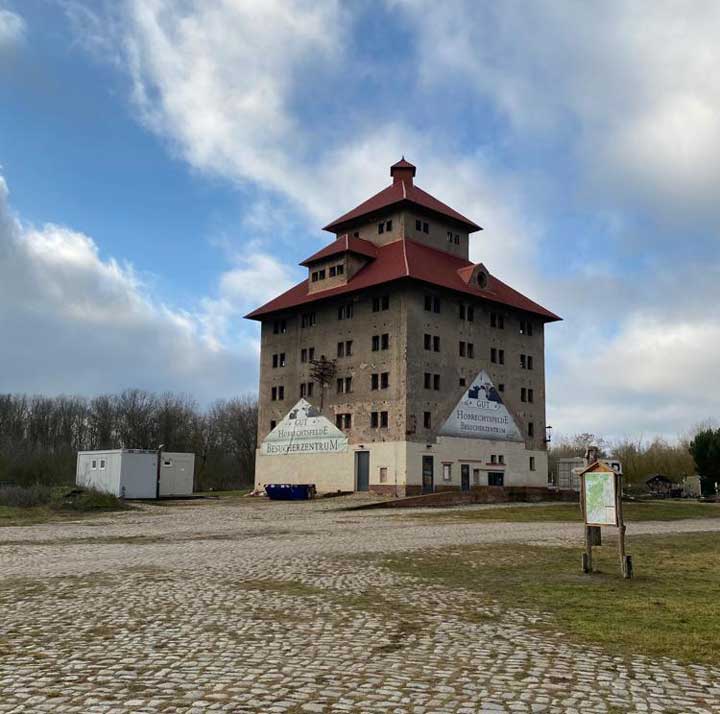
{"type": "Point", "coordinates": [40, 436]}
{"type": "Point", "coordinates": [640, 459]}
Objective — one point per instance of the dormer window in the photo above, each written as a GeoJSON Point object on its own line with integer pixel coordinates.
{"type": "Point", "coordinates": [318, 275]}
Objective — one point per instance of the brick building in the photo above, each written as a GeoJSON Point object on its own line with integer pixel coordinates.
{"type": "Point", "coordinates": [434, 374]}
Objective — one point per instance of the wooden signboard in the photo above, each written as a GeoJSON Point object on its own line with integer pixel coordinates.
{"type": "Point", "coordinates": [601, 500]}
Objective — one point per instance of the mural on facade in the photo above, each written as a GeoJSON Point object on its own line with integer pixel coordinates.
{"type": "Point", "coordinates": [481, 414]}
{"type": "Point", "coordinates": [304, 431]}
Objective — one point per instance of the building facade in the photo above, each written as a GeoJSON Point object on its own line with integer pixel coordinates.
{"type": "Point", "coordinates": [418, 370]}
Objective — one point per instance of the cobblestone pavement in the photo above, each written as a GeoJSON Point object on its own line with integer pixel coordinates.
{"type": "Point", "coordinates": [253, 606]}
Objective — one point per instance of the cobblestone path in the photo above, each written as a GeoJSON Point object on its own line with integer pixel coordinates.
{"type": "Point", "coordinates": [256, 607]}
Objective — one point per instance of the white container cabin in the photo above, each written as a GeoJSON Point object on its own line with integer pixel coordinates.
{"type": "Point", "coordinates": [132, 473]}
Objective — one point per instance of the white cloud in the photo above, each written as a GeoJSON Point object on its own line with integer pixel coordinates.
{"type": "Point", "coordinates": [12, 28]}
{"type": "Point", "coordinates": [73, 322]}
{"type": "Point", "coordinates": [629, 88]}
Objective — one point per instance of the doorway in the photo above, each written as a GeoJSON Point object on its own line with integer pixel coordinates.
{"type": "Point", "coordinates": [464, 477]}
{"type": "Point", "coordinates": [362, 470]}
{"type": "Point", "coordinates": [428, 477]}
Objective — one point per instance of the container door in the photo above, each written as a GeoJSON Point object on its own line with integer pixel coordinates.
{"type": "Point", "coordinates": [428, 478]}
{"type": "Point", "coordinates": [362, 470]}
{"type": "Point", "coordinates": [464, 477]}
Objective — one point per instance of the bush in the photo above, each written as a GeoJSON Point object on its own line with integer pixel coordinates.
{"type": "Point", "coordinates": [25, 496]}
{"type": "Point", "coordinates": [91, 500]}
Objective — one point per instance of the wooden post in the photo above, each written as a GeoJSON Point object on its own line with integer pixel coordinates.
{"type": "Point", "coordinates": [587, 555]}
{"type": "Point", "coordinates": [625, 560]}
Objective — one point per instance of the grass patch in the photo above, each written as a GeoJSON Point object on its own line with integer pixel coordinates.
{"type": "Point", "coordinates": [633, 512]}
{"type": "Point", "coordinates": [668, 609]}
{"type": "Point", "coordinates": [20, 506]}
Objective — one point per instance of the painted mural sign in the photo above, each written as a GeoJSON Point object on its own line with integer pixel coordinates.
{"type": "Point", "coordinates": [481, 414]}
{"type": "Point", "coordinates": [304, 431]}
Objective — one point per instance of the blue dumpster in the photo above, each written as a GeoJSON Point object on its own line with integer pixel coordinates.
{"type": "Point", "coordinates": [290, 491]}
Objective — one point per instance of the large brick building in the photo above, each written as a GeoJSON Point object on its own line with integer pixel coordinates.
{"type": "Point", "coordinates": [436, 374]}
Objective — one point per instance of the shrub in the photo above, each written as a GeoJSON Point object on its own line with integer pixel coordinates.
{"type": "Point", "coordinates": [25, 496]}
{"type": "Point", "coordinates": [91, 500]}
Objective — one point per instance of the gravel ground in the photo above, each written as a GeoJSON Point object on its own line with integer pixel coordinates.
{"type": "Point", "coordinates": [251, 606]}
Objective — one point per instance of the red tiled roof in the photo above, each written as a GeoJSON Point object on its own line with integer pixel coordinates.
{"type": "Point", "coordinates": [403, 164]}
{"type": "Point", "coordinates": [344, 244]}
{"type": "Point", "coordinates": [409, 259]}
{"type": "Point", "coordinates": [400, 192]}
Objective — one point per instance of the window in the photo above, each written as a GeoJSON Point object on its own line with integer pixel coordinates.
{"type": "Point", "coordinates": [343, 421]}
{"type": "Point", "coordinates": [470, 350]}
{"type": "Point", "coordinates": [436, 344]}
{"type": "Point", "coordinates": [374, 381]}
{"type": "Point", "coordinates": [470, 313]}
{"type": "Point", "coordinates": [332, 270]}
{"type": "Point", "coordinates": [493, 355]}
{"type": "Point", "coordinates": [501, 356]}
{"type": "Point", "coordinates": [523, 363]}
{"type": "Point", "coordinates": [273, 424]}
{"type": "Point", "coordinates": [426, 227]}
{"type": "Point", "coordinates": [379, 420]}
{"type": "Point", "coordinates": [388, 226]}
{"type": "Point", "coordinates": [428, 303]}
{"type": "Point", "coordinates": [375, 343]}
{"type": "Point", "coordinates": [493, 459]}
{"type": "Point", "coordinates": [356, 234]}
{"type": "Point", "coordinates": [303, 389]}
{"type": "Point", "coordinates": [384, 380]}
{"type": "Point", "coordinates": [427, 420]}
{"type": "Point", "coordinates": [344, 349]}
{"type": "Point", "coordinates": [279, 327]}
{"type": "Point", "coordinates": [344, 385]}
{"type": "Point", "coordinates": [531, 396]}
{"type": "Point", "coordinates": [383, 474]}
{"type": "Point", "coordinates": [428, 341]}
{"type": "Point", "coordinates": [308, 319]}
{"type": "Point", "coordinates": [462, 348]}
{"type": "Point", "coordinates": [273, 394]}
{"type": "Point", "coordinates": [457, 239]}
{"type": "Point", "coordinates": [340, 269]}
{"type": "Point", "coordinates": [436, 382]}
{"type": "Point", "coordinates": [304, 354]}
{"type": "Point", "coordinates": [462, 381]}
{"type": "Point", "coordinates": [529, 362]}
{"type": "Point", "coordinates": [501, 459]}
{"type": "Point", "coordinates": [428, 380]}
{"type": "Point", "coordinates": [348, 348]}
{"type": "Point", "coordinates": [496, 478]}
{"type": "Point", "coordinates": [462, 311]}
{"type": "Point", "coordinates": [282, 359]}
{"type": "Point", "coordinates": [497, 320]}
{"type": "Point", "coordinates": [432, 303]}
{"type": "Point", "coordinates": [385, 341]}
{"type": "Point", "coordinates": [345, 312]}
{"type": "Point", "coordinates": [501, 387]}
{"type": "Point", "coordinates": [94, 463]}
{"type": "Point", "coordinates": [532, 463]}
{"type": "Point", "coordinates": [381, 227]}
{"type": "Point", "coordinates": [526, 328]}
{"type": "Point", "coordinates": [418, 224]}
{"type": "Point", "coordinates": [476, 477]}
{"type": "Point", "coordinates": [450, 238]}
{"type": "Point", "coordinates": [447, 472]}
{"type": "Point", "coordinates": [102, 464]}
{"type": "Point", "coordinates": [381, 303]}
{"type": "Point", "coordinates": [531, 429]}
{"type": "Point", "coordinates": [523, 394]}
{"type": "Point", "coordinates": [318, 275]}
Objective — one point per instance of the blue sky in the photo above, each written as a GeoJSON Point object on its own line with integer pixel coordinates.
{"type": "Point", "coordinates": [166, 165]}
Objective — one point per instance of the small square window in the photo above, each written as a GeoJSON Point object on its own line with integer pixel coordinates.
{"type": "Point", "coordinates": [273, 424]}
{"type": "Point", "coordinates": [102, 463]}
{"type": "Point", "coordinates": [493, 355]}
{"type": "Point", "coordinates": [383, 420]}
{"type": "Point", "coordinates": [374, 421]}
{"type": "Point", "coordinates": [428, 341]}
{"type": "Point", "coordinates": [436, 344]}
{"type": "Point", "coordinates": [281, 393]}
{"type": "Point", "coordinates": [427, 419]}
{"type": "Point", "coordinates": [428, 380]}
{"type": "Point", "coordinates": [462, 348]}
{"type": "Point", "coordinates": [283, 363]}
{"type": "Point", "coordinates": [501, 387]}
{"type": "Point", "coordinates": [275, 361]}
{"type": "Point", "coordinates": [470, 350]}
{"type": "Point", "coordinates": [523, 394]}
{"type": "Point", "coordinates": [381, 228]}
{"type": "Point", "coordinates": [273, 394]}
{"type": "Point", "coordinates": [94, 464]}
{"type": "Point", "coordinates": [531, 395]}
{"type": "Point", "coordinates": [340, 269]}
{"type": "Point", "coordinates": [385, 341]}
{"type": "Point", "coordinates": [375, 343]}
{"type": "Point", "coordinates": [331, 271]}
{"type": "Point", "coordinates": [529, 362]}
{"type": "Point", "coordinates": [340, 349]}
{"type": "Point", "coordinates": [374, 381]}
{"type": "Point", "coordinates": [348, 348]}
{"type": "Point", "coordinates": [384, 380]}
{"type": "Point", "coordinates": [462, 381]}
{"type": "Point", "coordinates": [436, 382]}
{"type": "Point", "coordinates": [501, 356]}
{"type": "Point", "coordinates": [532, 463]}
{"type": "Point", "coordinates": [388, 226]}
{"type": "Point", "coordinates": [531, 429]}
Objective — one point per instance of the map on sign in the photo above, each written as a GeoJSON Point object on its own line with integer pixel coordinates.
{"type": "Point", "coordinates": [600, 507]}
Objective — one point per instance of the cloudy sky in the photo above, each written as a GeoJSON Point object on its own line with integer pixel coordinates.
{"type": "Point", "coordinates": [165, 164]}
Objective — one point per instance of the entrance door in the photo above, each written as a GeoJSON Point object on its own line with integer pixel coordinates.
{"type": "Point", "coordinates": [427, 474]}
{"type": "Point", "coordinates": [464, 477]}
{"type": "Point", "coordinates": [362, 470]}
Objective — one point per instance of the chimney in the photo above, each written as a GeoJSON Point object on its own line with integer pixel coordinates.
{"type": "Point", "coordinates": [403, 171]}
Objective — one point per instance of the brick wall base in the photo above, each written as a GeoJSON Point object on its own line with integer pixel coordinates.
{"type": "Point", "coordinates": [478, 494]}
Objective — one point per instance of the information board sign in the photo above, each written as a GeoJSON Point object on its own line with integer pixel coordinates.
{"type": "Point", "coordinates": [600, 498]}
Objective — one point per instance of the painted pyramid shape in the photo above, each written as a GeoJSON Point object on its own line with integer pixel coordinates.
{"type": "Point", "coordinates": [304, 430]}
{"type": "Point", "coordinates": [481, 414]}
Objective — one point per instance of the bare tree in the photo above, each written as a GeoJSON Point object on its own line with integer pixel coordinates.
{"type": "Point", "coordinates": [322, 372]}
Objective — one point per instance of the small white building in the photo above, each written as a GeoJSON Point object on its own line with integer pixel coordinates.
{"type": "Point", "coordinates": [132, 473]}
